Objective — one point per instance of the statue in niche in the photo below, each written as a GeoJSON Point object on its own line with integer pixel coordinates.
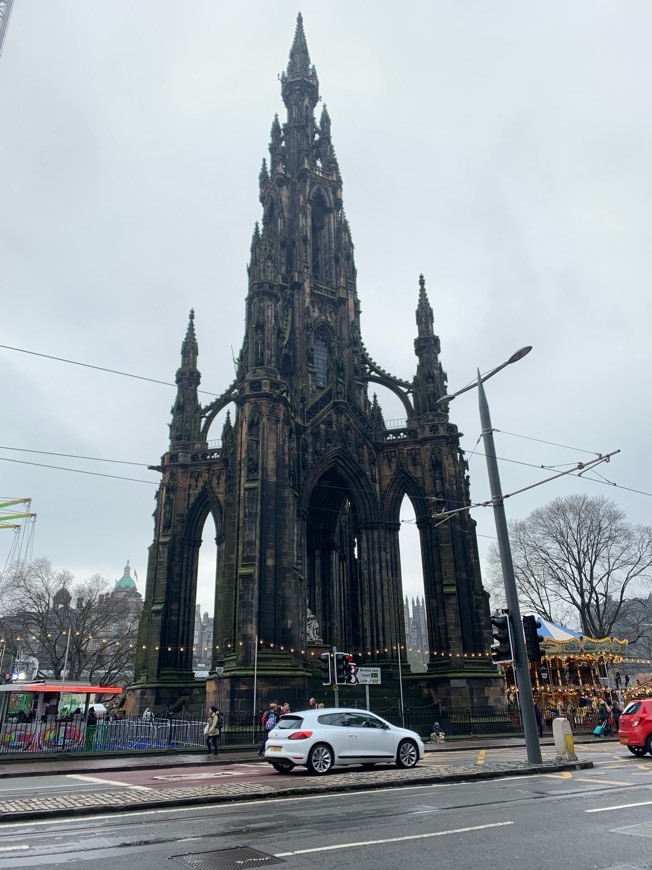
{"type": "Point", "coordinates": [312, 627]}
{"type": "Point", "coordinates": [439, 482]}
{"type": "Point", "coordinates": [253, 442]}
{"type": "Point", "coordinates": [168, 508]}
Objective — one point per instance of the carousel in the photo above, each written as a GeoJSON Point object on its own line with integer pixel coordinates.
{"type": "Point", "coordinates": [574, 673]}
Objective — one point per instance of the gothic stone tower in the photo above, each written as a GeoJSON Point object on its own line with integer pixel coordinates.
{"type": "Point", "coordinates": [306, 488]}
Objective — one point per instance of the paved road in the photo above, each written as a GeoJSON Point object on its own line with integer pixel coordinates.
{"type": "Point", "coordinates": [587, 818]}
{"type": "Point", "coordinates": [78, 786]}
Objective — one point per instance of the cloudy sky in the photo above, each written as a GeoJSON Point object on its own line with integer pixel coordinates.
{"type": "Point", "coordinates": [501, 148]}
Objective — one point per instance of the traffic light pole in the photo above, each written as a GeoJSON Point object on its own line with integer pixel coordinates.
{"type": "Point", "coordinates": [336, 688]}
{"type": "Point", "coordinates": [521, 669]}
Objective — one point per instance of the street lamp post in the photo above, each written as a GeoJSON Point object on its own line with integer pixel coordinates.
{"type": "Point", "coordinates": [521, 669]}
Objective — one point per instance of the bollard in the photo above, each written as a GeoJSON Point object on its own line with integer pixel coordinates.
{"type": "Point", "coordinates": [564, 743]}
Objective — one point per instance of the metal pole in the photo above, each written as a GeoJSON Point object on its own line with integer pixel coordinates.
{"type": "Point", "coordinates": [366, 695]}
{"type": "Point", "coordinates": [255, 716]}
{"type": "Point", "coordinates": [336, 688]}
{"type": "Point", "coordinates": [400, 685]}
{"type": "Point", "coordinates": [511, 596]}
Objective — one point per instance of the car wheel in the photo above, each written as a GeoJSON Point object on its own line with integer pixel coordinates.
{"type": "Point", "coordinates": [638, 751]}
{"type": "Point", "coordinates": [648, 745]}
{"type": "Point", "coordinates": [320, 759]}
{"type": "Point", "coordinates": [282, 767]}
{"type": "Point", "coordinates": [408, 754]}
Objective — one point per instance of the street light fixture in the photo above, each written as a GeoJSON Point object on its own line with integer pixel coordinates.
{"type": "Point", "coordinates": [521, 669]}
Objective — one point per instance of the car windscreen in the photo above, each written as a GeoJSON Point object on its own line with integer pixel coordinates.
{"type": "Point", "coordinates": [289, 723]}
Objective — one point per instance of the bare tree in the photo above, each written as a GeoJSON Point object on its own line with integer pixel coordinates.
{"type": "Point", "coordinates": [47, 613]}
{"type": "Point", "coordinates": [578, 560]}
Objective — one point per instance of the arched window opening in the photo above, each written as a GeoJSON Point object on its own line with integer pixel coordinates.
{"type": "Point", "coordinates": [318, 212]}
{"type": "Point", "coordinates": [205, 600]}
{"type": "Point", "coordinates": [322, 357]}
{"type": "Point", "coordinates": [414, 605]}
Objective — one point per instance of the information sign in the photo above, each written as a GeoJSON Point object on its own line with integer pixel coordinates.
{"type": "Point", "coordinates": [369, 676]}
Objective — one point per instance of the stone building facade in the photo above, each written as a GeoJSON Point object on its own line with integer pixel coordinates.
{"type": "Point", "coordinates": [306, 487]}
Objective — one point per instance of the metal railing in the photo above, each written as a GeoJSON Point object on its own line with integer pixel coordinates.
{"type": "Point", "coordinates": [185, 730]}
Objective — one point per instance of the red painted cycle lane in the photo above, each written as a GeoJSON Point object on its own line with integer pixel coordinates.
{"type": "Point", "coordinates": [206, 773]}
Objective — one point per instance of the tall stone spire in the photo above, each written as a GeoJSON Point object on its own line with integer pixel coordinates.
{"type": "Point", "coordinates": [425, 317]}
{"type": "Point", "coordinates": [299, 62]}
{"type": "Point", "coordinates": [430, 380]}
{"type": "Point", "coordinates": [189, 348]}
{"type": "Point", "coordinates": [305, 489]}
{"type": "Point", "coordinates": [186, 411]}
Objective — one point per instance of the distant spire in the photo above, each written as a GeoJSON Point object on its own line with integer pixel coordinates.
{"type": "Point", "coordinates": [299, 63]}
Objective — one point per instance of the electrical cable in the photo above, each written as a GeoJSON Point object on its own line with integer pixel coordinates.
{"type": "Point", "coordinates": [73, 362]}
{"type": "Point", "coordinates": [79, 471]}
{"type": "Point", "coordinates": [551, 443]}
{"type": "Point", "coordinates": [74, 456]}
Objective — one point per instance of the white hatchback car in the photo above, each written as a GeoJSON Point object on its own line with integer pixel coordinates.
{"type": "Point", "coordinates": [321, 739]}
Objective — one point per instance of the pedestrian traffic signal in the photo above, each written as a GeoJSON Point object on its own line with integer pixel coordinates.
{"type": "Point", "coordinates": [350, 671]}
{"type": "Point", "coordinates": [533, 639]}
{"type": "Point", "coordinates": [501, 648]}
{"type": "Point", "coordinates": [340, 662]}
{"type": "Point", "coordinates": [325, 668]}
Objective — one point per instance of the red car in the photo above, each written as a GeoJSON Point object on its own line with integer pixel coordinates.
{"type": "Point", "coordinates": [635, 727]}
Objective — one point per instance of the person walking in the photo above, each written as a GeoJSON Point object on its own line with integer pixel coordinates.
{"type": "Point", "coordinates": [91, 729]}
{"type": "Point", "coordinates": [603, 716]}
{"type": "Point", "coordinates": [268, 721]}
{"type": "Point", "coordinates": [212, 731]}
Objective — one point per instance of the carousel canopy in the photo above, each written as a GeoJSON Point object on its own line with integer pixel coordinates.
{"type": "Point", "coordinates": [559, 640]}
{"type": "Point", "coordinates": [552, 631]}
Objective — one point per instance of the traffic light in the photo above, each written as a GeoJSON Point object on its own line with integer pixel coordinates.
{"type": "Point", "coordinates": [350, 671]}
{"type": "Point", "coordinates": [325, 668]}
{"type": "Point", "coordinates": [501, 648]}
{"type": "Point", "coordinates": [533, 639]}
{"type": "Point", "coordinates": [340, 662]}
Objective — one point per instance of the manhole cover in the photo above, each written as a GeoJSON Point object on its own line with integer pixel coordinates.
{"type": "Point", "coordinates": [239, 858]}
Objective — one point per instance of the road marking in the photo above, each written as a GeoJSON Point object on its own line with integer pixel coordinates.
{"type": "Point", "coordinates": [565, 774]}
{"type": "Point", "coordinates": [481, 755]}
{"type": "Point", "coordinates": [602, 781]}
{"type": "Point", "coordinates": [12, 848]}
{"type": "Point", "coordinates": [391, 840]}
{"type": "Point", "coordinates": [85, 778]}
{"type": "Point", "coordinates": [211, 775]}
{"type": "Point", "coordinates": [619, 807]}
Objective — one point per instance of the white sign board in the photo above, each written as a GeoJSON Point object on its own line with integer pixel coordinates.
{"type": "Point", "coordinates": [368, 676]}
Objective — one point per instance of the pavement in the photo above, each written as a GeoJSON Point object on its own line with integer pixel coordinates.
{"type": "Point", "coordinates": [225, 789]}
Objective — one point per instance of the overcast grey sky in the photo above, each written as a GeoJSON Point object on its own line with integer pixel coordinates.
{"type": "Point", "coordinates": [501, 148]}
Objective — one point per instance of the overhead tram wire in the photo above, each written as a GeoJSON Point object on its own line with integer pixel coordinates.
{"type": "Point", "coordinates": [550, 443]}
{"type": "Point", "coordinates": [73, 362]}
{"type": "Point", "coordinates": [216, 395]}
{"type": "Point", "coordinates": [74, 456]}
{"type": "Point", "coordinates": [144, 465]}
{"type": "Point", "coordinates": [79, 471]}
